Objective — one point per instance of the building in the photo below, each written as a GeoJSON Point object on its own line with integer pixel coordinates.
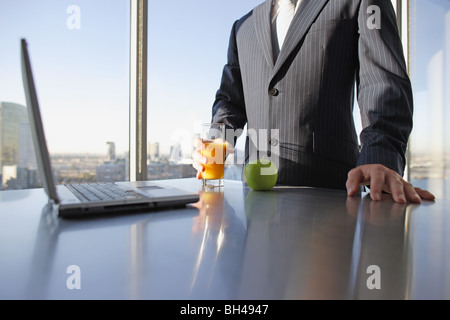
{"type": "Point", "coordinates": [11, 116]}
{"type": "Point", "coordinates": [175, 153]}
{"type": "Point", "coordinates": [27, 171]}
{"type": "Point", "coordinates": [111, 155]}
{"type": "Point", "coordinates": [153, 151]}
{"type": "Point", "coordinates": [17, 159]}
{"type": "Point", "coordinates": [112, 171]}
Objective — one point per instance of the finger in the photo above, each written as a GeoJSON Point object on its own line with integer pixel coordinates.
{"type": "Point", "coordinates": [199, 144]}
{"type": "Point", "coordinates": [411, 193]}
{"type": "Point", "coordinates": [399, 188]}
{"type": "Point", "coordinates": [425, 195]}
{"type": "Point", "coordinates": [198, 163]}
{"type": "Point", "coordinates": [354, 178]}
{"type": "Point", "coordinates": [198, 157]}
{"type": "Point", "coordinates": [377, 182]}
{"type": "Point", "coordinates": [198, 166]}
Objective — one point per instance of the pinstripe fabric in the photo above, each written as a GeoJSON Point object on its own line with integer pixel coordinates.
{"type": "Point", "coordinates": [327, 49]}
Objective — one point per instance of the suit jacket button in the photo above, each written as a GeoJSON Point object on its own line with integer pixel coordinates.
{"type": "Point", "coordinates": [273, 142]}
{"type": "Point", "coordinates": [274, 92]}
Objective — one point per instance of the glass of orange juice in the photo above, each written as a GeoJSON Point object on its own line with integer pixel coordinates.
{"type": "Point", "coordinates": [213, 148]}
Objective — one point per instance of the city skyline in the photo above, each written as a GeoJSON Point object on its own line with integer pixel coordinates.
{"type": "Point", "coordinates": [19, 170]}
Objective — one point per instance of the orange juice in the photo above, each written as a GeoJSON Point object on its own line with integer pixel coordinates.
{"type": "Point", "coordinates": [215, 153]}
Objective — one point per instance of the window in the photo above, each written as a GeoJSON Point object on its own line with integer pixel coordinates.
{"type": "Point", "coordinates": [187, 50]}
{"type": "Point", "coordinates": [80, 50]}
{"type": "Point", "coordinates": [80, 57]}
{"type": "Point", "coordinates": [429, 61]}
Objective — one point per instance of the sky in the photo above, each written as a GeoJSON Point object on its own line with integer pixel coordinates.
{"type": "Point", "coordinates": [82, 74]}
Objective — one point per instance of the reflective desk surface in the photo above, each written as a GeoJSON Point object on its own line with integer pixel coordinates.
{"type": "Point", "coordinates": [286, 244]}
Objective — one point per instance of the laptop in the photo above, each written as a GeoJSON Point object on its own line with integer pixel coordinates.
{"type": "Point", "coordinates": [87, 199]}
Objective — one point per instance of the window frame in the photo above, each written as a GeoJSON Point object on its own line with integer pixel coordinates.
{"type": "Point", "coordinates": [138, 90]}
{"type": "Point", "coordinates": [403, 22]}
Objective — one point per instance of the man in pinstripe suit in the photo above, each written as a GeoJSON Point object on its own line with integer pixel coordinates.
{"type": "Point", "coordinates": [301, 95]}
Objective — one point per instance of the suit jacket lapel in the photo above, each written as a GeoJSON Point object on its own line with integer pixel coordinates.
{"type": "Point", "coordinates": [262, 22]}
{"type": "Point", "coordinates": [304, 17]}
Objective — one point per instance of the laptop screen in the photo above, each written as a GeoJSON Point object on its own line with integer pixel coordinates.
{"type": "Point", "coordinates": [37, 130]}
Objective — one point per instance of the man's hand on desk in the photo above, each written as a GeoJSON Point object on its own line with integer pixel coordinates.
{"type": "Point", "coordinates": [381, 178]}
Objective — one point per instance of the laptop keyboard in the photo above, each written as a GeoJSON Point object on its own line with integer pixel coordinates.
{"type": "Point", "coordinates": [103, 192]}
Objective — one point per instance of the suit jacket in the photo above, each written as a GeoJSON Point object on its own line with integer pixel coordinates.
{"type": "Point", "coordinates": [300, 107]}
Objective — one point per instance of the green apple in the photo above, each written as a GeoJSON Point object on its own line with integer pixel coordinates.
{"type": "Point", "coordinates": [261, 175]}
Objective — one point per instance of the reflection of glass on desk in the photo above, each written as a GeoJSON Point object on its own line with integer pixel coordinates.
{"type": "Point", "coordinates": [210, 222]}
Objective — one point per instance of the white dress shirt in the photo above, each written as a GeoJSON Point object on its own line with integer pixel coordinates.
{"type": "Point", "coordinates": [275, 10]}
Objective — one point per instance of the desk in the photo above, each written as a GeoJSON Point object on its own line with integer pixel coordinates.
{"type": "Point", "coordinates": [290, 243]}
